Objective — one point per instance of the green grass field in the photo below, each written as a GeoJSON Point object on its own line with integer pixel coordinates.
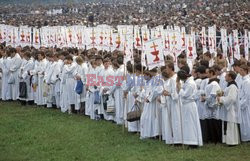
{"type": "Point", "coordinates": [32, 133]}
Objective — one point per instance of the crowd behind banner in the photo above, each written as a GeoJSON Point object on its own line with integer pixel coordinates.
{"type": "Point", "coordinates": [184, 88]}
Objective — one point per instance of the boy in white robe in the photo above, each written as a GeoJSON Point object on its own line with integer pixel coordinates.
{"type": "Point", "coordinates": [174, 105]}
{"type": "Point", "coordinates": [191, 129]}
{"type": "Point", "coordinates": [6, 87]}
{"type": "Point", "coordinates": [15, 67]}
{"type": "Point", "coordinates": [149, 123]}
{"type": "Point", "coordinates": [245, 104]}
{"type": "Point", "coordinates": [230, 105]}
{"type": "Point", "coordinates": [25, 76]}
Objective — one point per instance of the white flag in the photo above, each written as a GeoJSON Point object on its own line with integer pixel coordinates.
{"type": "Point", "coordinates": [246, 45]}
{"type": "Point", "coordinates": [154, 53]}
{"type": "Point", "coordinates": [236, 45]}
{"type": "Point", "coordinates": [224, 42]}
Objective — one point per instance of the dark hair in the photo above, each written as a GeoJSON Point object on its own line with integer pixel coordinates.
{"type": "Point", "coordinates": [232, 74]}
{"type": "Point", "coordinates": [212, 70]}
{"type": "Point", "coordinates": [182, 75]}
{"type": "Point", "coordinates": [201, 69]}
{"type": "Point", "coordinates": [120, 60]}
{"type": "Point", "coordinates": [205, 63]}
{"type": "Point", "coordinates": [186, 69]}
{"type": "Point", "coordinates": [69, 57]}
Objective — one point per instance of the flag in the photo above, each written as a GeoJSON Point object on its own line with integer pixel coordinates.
{"type": "Point", "coordinates": [246, 45]}
{"type": "Point", "coordinates": [203, 40]}
{"type": "Point", "coordinates": [154, 53]}
{"type": "Point", "coordinates": [224, 42]}
{"type": "Point", "coordinates": [36, 38]}
{"type": "Point", "coordinates": [212, 40]}
{"type": "Point", "coordinates": [137, 38]}
{"type": "Point", "coordinates": [25, 36]}
{"type": "Point", "coordinates": [190, 47]}
{"type": "Point", "coordinates": [236, 46]}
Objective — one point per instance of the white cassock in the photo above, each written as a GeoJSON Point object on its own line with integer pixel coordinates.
{"type": "Point", "coordinates": [203, 112]}
{"type": "Point", "coordinates": [63, 90]}
{"type": "Point", "coordinates": [191, 129]}
{"type": "Point", "coordinates": [55, 80]}
{"type": "Point", "coordinates": [41, 67]}
{"type": "Point", "coordinates": [211, 92]}
{"type": "Point", "coordinates": [15, 67]}
{"type": "Point", "coordinates": [90, 106]}
{"type": "Point", "coordinates": [34, 80]}
{"type": "Point", "coordinates": [24, 74]}
{"type": "Point", "coordinates": [6, 87]}
{"type": "Point", "coordinates": [118, 95]}
{"type": "Point", "coordinates": [167, 132]}
{"type": "Point", "coordinates": [70, 84]}
{"type": "Point", "coordinates": [238, 80]}
{"type": "Point", "coordinates": [175, 110]}
{"type": "Point", "coordinates": [232, 113]}
{"type": "Point", "coordinates": [149, 123]}
{"type": "Point", "coordinates": [1, 74]}
{"type": "Point", "coordinates": [50, 99]}
{"type": "Point", "coordinates": [80, 71]}
{"type": "Point", "coordinates": [130, 87]}
{"type": "Point", "coordinates": [106, 74]}
{"type": "Point", "coordinates": [99, 107]}
{"type": "Point", "coordinates": [245, 109]}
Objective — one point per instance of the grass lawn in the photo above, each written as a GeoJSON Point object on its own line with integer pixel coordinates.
{"type": "Point", "coordinates": [32, 133]}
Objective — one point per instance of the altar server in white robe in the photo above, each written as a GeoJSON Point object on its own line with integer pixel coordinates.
{"type": "Point", "coordinates": [92, 107]}
{"type": "Point", "coordinates": [40, 71]}
{"type": "Point", "coordinates": [79, 74]}
{"type": "Point", "coordinates": [1, 74]}
{"type": "Point", "coordinates": [167, 129]}
{"type": "Point", "coordinates": [27, 66]}
{"type": "Point", "coordinates": [49, 72]}
{"type": "Point", "coordinates": [118, 92]}
{"type": "Point", "coordinates": [70, 68]}
{"type": "Point", "coordinates": [106, 74]}
{"type": "Point", "coordinates": [214, 123]}
{"type": "Point", "coordinates": [149, 123]}
{"type": "Point", "coordinates": [191, 130]}
{"type": "Point", "coordinates": [6, 87]}
{"type": "Point", "coordinates": [236, 67]}
{"type": "Point", "coordinates": [63, 89]}
{"type": "Point", "coordinates": [230, 104]}
{"type": "Point", "coordinates": [55, 79]}
{"type": "Point", "coordinates": [203, 111]}
{"type": "Point", "coordinates": [15, 67]}
{"type": "Point", "coordinates": [245, 104]}
{"type": "Point", "coordinates": [129, 89]}
{"type": "Point", "coordinates": [174, 104]}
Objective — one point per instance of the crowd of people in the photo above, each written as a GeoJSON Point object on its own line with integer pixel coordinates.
{"type": "Point", "coordinates": [229, 14]}
{"type": "Point", "coordinates": [208, 103]}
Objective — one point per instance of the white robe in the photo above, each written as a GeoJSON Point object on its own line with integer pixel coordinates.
{"type": "Point", "coordinates": [118, 95]}
{"type": "Point", "coordinates": [1, 66]}
{"type": "Point", "coordinates": [232, 115]}
{"type": "Point", "coordinates": [26, 67]}
{"type": "Point", "coordinates": [245, 108]}
{"type": "Point", "coordinates": [203, 111]}
{"type": "Point", "coordinates": [149, 123]}
{"type": "Point", "coordinates": [106, 73]}
{"type": "Point", "coordinates": [41, 67]}
{"type": "Point", "coordinates": [191, 129]}
{"type": "Point", "coordinates": [80, 71]}
{"type": "Point", "coordinates": [6, 87]}
{"type": "Point", "coordinates": [70, 84]}
{"type": "Point", "coordinates": [15, 67]}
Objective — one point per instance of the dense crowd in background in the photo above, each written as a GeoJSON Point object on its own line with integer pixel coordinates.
{"type": "Point", "coordinates": [205, 102]}
{"type": "Point", "coordinates": [230, 14]}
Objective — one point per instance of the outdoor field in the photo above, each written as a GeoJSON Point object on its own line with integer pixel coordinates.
{"type": "Point", "coordinates": [38, 134]}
